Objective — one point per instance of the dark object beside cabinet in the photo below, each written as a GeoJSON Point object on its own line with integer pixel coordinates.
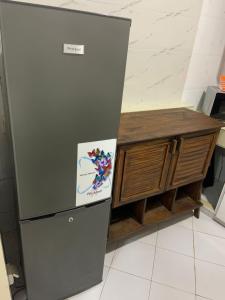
{"type": "Point", "coordinates": [162, 159]}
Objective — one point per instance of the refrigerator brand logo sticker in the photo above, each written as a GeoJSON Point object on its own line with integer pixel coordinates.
{"type": "Point", "coordinates": [95, 164]}
{"type": "Point", "coordinates": [73, 49]}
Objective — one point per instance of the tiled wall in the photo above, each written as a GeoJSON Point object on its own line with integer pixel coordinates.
{"type": "Point", "coordinates": [161, 43]}
{"type": "Point", "coordinates": [207, 58]}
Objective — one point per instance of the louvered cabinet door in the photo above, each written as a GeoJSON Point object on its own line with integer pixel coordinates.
{"type": "Point", "coordinates": [192, 159]}
{"type": "Point", "coordinates": [144, 170]}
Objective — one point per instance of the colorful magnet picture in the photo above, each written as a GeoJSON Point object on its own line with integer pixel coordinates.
{"type": "Point", "coordinates": [103, 164]}
{"type": "Point", "coordinates": [95, 163]}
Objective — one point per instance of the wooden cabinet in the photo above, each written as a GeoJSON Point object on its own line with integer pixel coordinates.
{"type": "Point", "coordinates": [159, 169]}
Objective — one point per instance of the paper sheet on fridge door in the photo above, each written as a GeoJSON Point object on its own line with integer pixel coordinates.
{"type": "Point", "coordinates": [95, 167]}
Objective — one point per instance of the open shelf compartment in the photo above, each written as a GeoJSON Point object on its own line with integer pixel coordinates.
{"type": "Point", "coordinates": [188, 197]}
{"type": "Point", "coordinates": [172, 203]}
{"type": "Point", "coordinates": [126, 220]}
{"type": "Point", "coordinates": [156, 211]}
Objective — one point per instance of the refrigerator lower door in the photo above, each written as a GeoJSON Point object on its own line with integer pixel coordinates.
{"type": "Point", "coordinates": [64, 254]}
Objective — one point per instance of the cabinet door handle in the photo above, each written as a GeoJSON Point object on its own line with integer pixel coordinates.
{"type": "Point", "coordinates": [179, 143]}
{"type": "Point", "coordinates": [174, 147]}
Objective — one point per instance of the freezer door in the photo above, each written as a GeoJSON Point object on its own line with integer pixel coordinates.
{"type": "Point", "coordinates": [65, 74]}
{"type": "Point", "coordinates": [64, 254]}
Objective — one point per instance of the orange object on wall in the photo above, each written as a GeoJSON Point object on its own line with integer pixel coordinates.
{"type": "Point", "coordinates": [222, 82]}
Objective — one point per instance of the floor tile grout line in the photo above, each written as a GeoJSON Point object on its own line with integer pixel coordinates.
{"type": "Point", "coordinates": [139, 241]}
{"type": "Point", "coordinates": [173, 287]}
{"type": "Point", "coordinates": [150, 287]}
{"type": "Point", "coordinates": [209, 262]}
{"type": "Point", "coordinates": [64, 4]}
{"type": "Point", "coordinates": [153, 245]}
{"type": "Point", "coordinates": [193, 232]}
{"type": "Point", "coordinates": [115, 253]}
{"type": "Point", "coordinates": [179, 225]}
{"type": "Point", "coordinates": [176, 225]}
{"type": "Point", "coordinates": [197, 259]}
{"type": "Point", "coordinates": [193, 236]}
{"type": "Point", "coordinates": [104, 282]}
{"type": "Point", "coordinates": [163, 248]}
{"type": "Point", "coordinates": [216, 236]}
{"type": "Point", "coordinates": [153, 265]}
{"type": "Point", "coordinates": [197, 295]}
{"type": "Point", "coordinates": [125, 272]}
{"type": "Point", "coordinates": [176, 252]}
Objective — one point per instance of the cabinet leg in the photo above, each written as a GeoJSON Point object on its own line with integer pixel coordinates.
{"type": "Point", "coordinates": [197, 213]}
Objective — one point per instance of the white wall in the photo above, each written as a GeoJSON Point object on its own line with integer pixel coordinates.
{"type": "Point", "coordinates": [161, 43]}
{"type": "Point", "coordinates": [207, 57]}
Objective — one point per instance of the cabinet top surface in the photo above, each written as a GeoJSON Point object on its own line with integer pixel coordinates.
{"type": "Point", "coordinates": [155, 124]}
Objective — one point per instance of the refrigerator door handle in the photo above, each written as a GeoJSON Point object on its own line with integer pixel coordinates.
{"type": "Point", "coordinates": [72, 211]}
{"type": "Point", "coordinates": [95, 203]}
{"type": "Point", "coordinates": [64, 213]}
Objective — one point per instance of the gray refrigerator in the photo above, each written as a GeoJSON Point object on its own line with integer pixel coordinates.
{"type": "Point", "coordinates": [63, 80]}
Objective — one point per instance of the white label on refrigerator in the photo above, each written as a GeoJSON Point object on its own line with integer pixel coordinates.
{"type": "Point", "coordinates": [73, 49]}
{"type": "Point", "coordinates": [95, 167]}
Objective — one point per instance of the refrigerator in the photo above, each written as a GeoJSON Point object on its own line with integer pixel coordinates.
{"type": "Point", "coordinates": [63, 77]}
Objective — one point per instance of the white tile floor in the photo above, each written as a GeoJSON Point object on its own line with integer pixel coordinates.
{"type": "Point", "coordinates": [182, 261]}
